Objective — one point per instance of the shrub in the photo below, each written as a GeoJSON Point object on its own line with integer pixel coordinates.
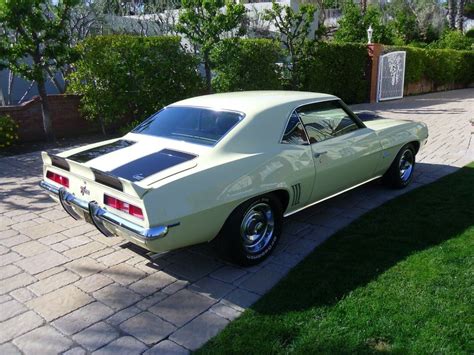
{"type": "Point", "coordinates": [122, 78]}
{"type": "Point", "coordinates": [8, 131]}
{"type": "Point", "coordinates": [246, 64]}
{"type": "Point", "coordinates": [337, 68]}
{"type": "Point", "coordinates": [442, 66]}
{"type": "Point", "coordinates": [450, 66]}
{"type": "Point", "coordinates": [453, 39]}
{"type": "Point", "coordinates": [415, 62]}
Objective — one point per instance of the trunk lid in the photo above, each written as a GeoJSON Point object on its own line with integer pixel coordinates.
{"type": "Point", "coordinates": [139, 161]}
{"type": "Point", "coordinates": [122, 168]}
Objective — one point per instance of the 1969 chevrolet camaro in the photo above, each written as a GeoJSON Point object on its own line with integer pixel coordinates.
{"type": "Point", "coordinates": [229, 165]}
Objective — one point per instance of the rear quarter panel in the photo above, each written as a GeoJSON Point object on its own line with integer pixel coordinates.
{"type": "Point", "coordinates": [202, 199]}
{"type": "Point", "coordinates": [248, 162]}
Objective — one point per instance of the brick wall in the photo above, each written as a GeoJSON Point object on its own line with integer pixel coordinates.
{"type": "Point", "coordinates": [425, 86]}
{"type": "Point", "coordinates": [67, 121]}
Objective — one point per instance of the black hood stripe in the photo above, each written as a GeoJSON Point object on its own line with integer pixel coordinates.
{"type": "Point", "coordinates": [151, 164]}
{"type": "Point", "coordinates": [86, 155]}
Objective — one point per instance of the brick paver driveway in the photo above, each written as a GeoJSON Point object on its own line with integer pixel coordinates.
{"type": "Point", "coordinates": [66, 288]}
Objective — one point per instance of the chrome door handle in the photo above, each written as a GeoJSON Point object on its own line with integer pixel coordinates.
{"type": "Point", "coordinates": [318, 154]}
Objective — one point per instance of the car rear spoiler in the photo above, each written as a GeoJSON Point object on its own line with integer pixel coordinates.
{"type": "Point", "coordinates": [98, 176]}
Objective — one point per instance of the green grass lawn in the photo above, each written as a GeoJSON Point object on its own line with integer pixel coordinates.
{"type": "Point", "coordinates": [400, 279]}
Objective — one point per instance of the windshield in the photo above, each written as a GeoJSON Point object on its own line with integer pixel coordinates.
{"type": "Point", "coordinates": [191, 124]}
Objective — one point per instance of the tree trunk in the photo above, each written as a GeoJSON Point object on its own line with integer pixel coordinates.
{"type": "Point", "coordinates": [47, 124]}
{"type": "Point", "coordinates": [102, 125]}
{"type": "Point", "coordinates": [2, 99]}
{"type": "Point", "coordinates": [363, 6]}
{"type": "Point", "coordinates": [452, 14]}
{"type": "Point", "coordinates": [460, 15]}
{"type": "Point", "coordinates": [207, 68]}
{"type": "Point", "coordinates": [294, 75]}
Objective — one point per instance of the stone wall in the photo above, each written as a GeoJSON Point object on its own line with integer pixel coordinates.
{"type": "Point", "coordinates": [67, 121]}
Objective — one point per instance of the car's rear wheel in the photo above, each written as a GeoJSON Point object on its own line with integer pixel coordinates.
{"type": "Point", "coordinates": [252, 230]}
{"type": "Point", "coordinates": [400, 173]}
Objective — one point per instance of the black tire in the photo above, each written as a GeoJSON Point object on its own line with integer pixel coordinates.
{"type": "Point", "coordinates": [232, 240]}
{"type": "Point", "coordinates": [400, 173]}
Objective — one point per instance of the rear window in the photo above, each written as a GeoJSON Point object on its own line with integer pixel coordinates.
{"type": "Point", "coordinates": [191, 124]}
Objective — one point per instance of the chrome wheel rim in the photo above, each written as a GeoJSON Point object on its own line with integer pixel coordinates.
{"type": "Point", "coordinates": [257, 227]}
{"type": "Point", "coordinates": [406, 165]}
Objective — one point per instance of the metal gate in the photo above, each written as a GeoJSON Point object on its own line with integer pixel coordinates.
{"type": "Point", "coordinates": [391, 76]}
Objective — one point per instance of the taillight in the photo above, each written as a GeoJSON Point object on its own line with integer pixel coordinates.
{"type": "Point", "coordinates": [61, 180]}
{"type": "Point", "coordinates": [123, 206]}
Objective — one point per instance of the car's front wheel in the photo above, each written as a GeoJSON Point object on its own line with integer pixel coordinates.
{"type": "Point", "coordinates": [400, 173]}
{"type": "Point", "coordinates": [253, 230]}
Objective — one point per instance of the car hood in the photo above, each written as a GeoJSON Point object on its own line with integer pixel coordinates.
{"type": "Point", "coordinates": [139, 158]}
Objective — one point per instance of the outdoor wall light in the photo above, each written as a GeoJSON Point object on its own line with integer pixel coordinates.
{"type": "Point", "coordinates": [370, 31]}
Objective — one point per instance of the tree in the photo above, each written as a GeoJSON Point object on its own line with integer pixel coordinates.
{"type": "Point", "coordinates": [460, 15]}
{"type": "Point", "coordinates": [452, 14]}
{"type": "Point", "coordinates": [36, 43]}
{"type": "Point", "coordinates": [293, 31]}
{"type": "Point", "coordinates": [403, 22]}
{"type": "Point", "coordinates": [204, 23]}
{"type": "Point", "coordinates": [430, 18]}
{"type": "Point", "coordinates": [353, 25]}
{"type": "Point", "coordinates": [405, 26]}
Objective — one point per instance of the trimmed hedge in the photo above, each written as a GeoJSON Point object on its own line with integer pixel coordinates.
{"type": "Point", "coordinates": [339, 69]}
{"type": "Point", "coordinates": [442, 66]}
{"type": "Point", "coordinates": [246, 64]}
{"type": "Point", "coordinates": [126, 78]}
{"type": "Point", "coordinates": [123, 78]}
{"type": "Point", "coordinates": [250, 64]}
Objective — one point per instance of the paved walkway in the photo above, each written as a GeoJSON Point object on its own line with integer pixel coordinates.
{"type": "Point", "coordinates": [66, 288]}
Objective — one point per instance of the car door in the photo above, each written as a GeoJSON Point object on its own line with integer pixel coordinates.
{"type": "Point", "coordinates": [345, 152]}
{"type": "Point", "coordinates": [298, 154]}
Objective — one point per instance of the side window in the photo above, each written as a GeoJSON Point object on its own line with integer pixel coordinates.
{"type": "Point", "coordinates": [294, 132]}
{"type": "Point", "coordinates": [326, 120]}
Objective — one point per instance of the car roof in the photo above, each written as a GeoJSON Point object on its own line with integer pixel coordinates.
{"type": "Point", "coordinates": [253, 101]}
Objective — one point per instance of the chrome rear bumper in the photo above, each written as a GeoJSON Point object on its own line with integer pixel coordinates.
{"type": "Point", "coordinates": [105, 221]}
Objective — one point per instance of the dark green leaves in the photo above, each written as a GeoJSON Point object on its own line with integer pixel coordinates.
{"type": "Point", "coordinates": [233, 72]}
{"type": "Point", "coordinates": [34, 36]}
{"type": "Point", "coordinates": [294, 32]}
{"type": "Point", "coordinates": [123, 78]}
{"type": "Point", "coordinates": [354, 23]}
{"type": "Point", "coordinates": [204, 22]}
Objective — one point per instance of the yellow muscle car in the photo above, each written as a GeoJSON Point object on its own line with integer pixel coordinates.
{"type": "Point", "coordinates": [229, 165]}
